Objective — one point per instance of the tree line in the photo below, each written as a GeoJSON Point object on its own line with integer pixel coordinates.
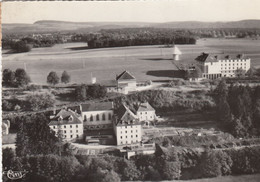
{"type": "Point", "coordinates": [238, 108]}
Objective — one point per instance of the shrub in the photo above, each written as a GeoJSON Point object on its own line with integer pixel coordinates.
{"type": "Point", "coordinates": [40, 101]}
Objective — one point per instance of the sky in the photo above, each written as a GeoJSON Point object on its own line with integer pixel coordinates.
{"type": "Point", "coordinates": [131, 11]}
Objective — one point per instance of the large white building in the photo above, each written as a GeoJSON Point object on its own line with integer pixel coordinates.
{"type": "Point", "coordinates": [97, 115]}
{"type": "Point", "coordinates": [222, 65]}
{"type": "Point", "coordinates": [68, 123]}
{"type": "Point", "coordinates": [127, 127]}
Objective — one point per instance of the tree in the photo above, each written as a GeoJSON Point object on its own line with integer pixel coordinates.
{"type": "Point", "coordinates": [80, 92]}
{"type": "Point", "coordinates": [8, 158]}
{"type": "Point", "coordinates": [240, 72]}
{"type": "Point", "coordinates": [35, 136]}
{"type": "Point", "coordinates": [40, 101]}
{"type": "Point", "coordinates": [65, 77]}
{"type": "Point", "coordinates": [53, 78]}
{"type": "Point", "coordinates": [22, 78]}
{"type": "Point", "coordinates": [8, 77]}
{"type": "Point", "coordinates": [22, 46]}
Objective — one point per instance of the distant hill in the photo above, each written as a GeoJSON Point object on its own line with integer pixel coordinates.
{"type": "Point", "coordinates": [83, 27]}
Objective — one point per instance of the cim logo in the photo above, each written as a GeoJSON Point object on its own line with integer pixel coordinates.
{"type": "Point", "coordinates": [15, 174]}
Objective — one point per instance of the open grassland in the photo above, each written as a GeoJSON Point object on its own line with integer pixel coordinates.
{"type": "Point", "coordinates": [145, 62]}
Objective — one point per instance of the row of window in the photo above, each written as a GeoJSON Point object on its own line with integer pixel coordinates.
{"type": "Point", "coordinates": [103, 117]}
{"type": "Point", "coordinates": [64, 126]}
{"type": "Point", "coordinates": [242, 60]}
{"type": "Point", "coordinates": [64, 131]}
{"type": "Point", "coordinates": [126, 136]}
{"type": "Point", "coordinates": [229, 71]}
{"type": "Point", "coordinates": [235, 68]}
{"type": "Point", "coordinates": [131, 131]}
{"type": "Point", "coordinates": [70, 136]}
{"type": "Point", "coordinates": [126, 142]}
{"type": "Point", "coordinates": [233, 64]}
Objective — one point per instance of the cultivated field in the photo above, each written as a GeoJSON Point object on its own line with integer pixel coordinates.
{"type": "Point", "coordinates": [145, 62]}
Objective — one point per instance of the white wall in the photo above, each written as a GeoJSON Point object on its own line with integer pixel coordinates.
{"type": "Point", "coordinates": [70, 131]}
{"type": "Point", "coordinates": [146, 115]}
{"type": "Point", "coordinates": [128, 134]}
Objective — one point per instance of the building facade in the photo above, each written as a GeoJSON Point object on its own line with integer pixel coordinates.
{"type": "Point", "coordinates": [68, 124]}
{"type": "Point", "coordinates": [146, 112]}
{"type": "Point", "coordinates": [97, 115]}
{"type": "Point", "coordinates": [221, 65]}
{"type": "Point", "coordinates": [127, 127]}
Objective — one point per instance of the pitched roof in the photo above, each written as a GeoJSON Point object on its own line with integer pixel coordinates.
{"type": "Point", "coordinates": [205, 57]}
{"type": "Point", "coordinates": [100, 106]}
{"type": "Point", "coordinates": [125, 116]}
{"type": "Point", "coordinates": [125, 75]}
{"type": "Point", "coordinates": [145, 107]}
{"type": "Point", "coordinates": [176, 50]}
{"type": "Point", "coordinates": [65, 117]}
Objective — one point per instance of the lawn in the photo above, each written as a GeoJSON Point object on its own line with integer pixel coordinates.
{"type": "Point", "coordinates": [145, 62]}
{"type": "Point", "coordinates": [242, 178]}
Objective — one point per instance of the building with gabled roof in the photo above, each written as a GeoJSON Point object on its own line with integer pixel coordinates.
{"type": "Point", "coordinates": [69, 123]}
{"type": "Point", "coordinates": [146, 112]}
{"type": "Point", "coordinates": [222, 65]}
{"type": "Point", "coordinates": [127, 81]}
{"type": "Point", "coordinates": [127, 126]}
{"type": "Point", "coordinates": [97, 115]}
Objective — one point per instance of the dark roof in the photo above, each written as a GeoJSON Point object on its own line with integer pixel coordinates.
{"type": "Point", "coordinates": [100, 106]}
{"type": "Point", "coordinates": [125, 76]}
{"type": "Point", "coordinates": [145, 107]}
{"type": "Point", "coordinates": [65, 117]}
{"type": "Point", "coordinates": [125, 116]}
{"type": "Point", "coordinates": [205, 57]}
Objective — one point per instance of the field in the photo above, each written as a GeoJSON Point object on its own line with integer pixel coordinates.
{"type": "Point", "coordinates": [145, 62]}
{"type": "Point", "coordinates": [242, 178]}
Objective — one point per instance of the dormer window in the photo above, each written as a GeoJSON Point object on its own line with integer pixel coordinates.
{"type": "Point", "coordinates": [70, 118]}
{"type": "Point", "coordinates": [60, 118]}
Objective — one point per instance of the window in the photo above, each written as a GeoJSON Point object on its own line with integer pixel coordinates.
{"type": "Point", "coordinates": [77, 136]}
{"type": "Point", "coordinates": [70, 131]}
{"type": "Point", "coordinates": [97, 117]}
{"type": "Point", "coordinates": [71, 136]}
{"type": "Point", "coordinates": [70, 126]}
{"type": "Point", "coordinates": [85, 118]}
{"type": "Point", "coordinates": [64, 126]}
{"type": "Point", "coordinates": [125, 131]}
{"type": "Point", "coordinates": [76, 126]}
{"type": "Point", "coordinates": [131, 131]}
{"type": "Point", "coordinates": [125, 126]}
{"type": "Point", "coordinates": [103, 117]}
{"type": "Point", "coordinates": [131, 136]}
{"type": "Point", "coordinates": [121, 137]}
{"type": "Point", "coordinates": [109, 116]}
{"type": "Point", "coordinates": [145, 112]}
{"type": "Point", "coordinates": [64, 131]}
{"type": "Point", "coordinates": [136, 135]}
{"type": "Point", "coordinates": [91, 117]}
{"type": "Point", "coordinates": [125, 136]}
{"type": "Point", "coordinates": [53, 127]}
{"type": "Point", "coordinates": [76, 131]}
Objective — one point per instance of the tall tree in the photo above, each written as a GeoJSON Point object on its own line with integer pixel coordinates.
{"type": "Point", "coordinates": [22, 78]}
{"type": "Point", "coordinates": [65, 77]}
{"type": "Point", "coordinates": [53, 78]}
{"type": "Point", "coordinates": [8, 77]}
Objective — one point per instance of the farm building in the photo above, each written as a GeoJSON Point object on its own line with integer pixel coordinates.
{"type": "Point", "coordinates": [124, 83]}
{"type": "Point", "coordinates": [222, 65]}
